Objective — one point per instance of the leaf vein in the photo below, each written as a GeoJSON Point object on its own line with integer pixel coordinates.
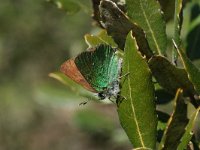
{"type": "Point", "coordinates": [133, 109]}
{"type": "Point", "coordinates": [151, 31]}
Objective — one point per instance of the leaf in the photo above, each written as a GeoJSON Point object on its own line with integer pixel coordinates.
{"type": "Point", "coordinates": [105, 37]}
{"type": "Point", "coordinates": [92, 40]}
{"type": "Point", "coordinates": [178, 21]}
{"type": "Point", "coordinates": [118, 26]}
{"type": "Point", "coordinates": [72, 86]}
{"type": "Point", "coordinates": [137, 111]}
{"type": "Point", "coordinates": [170, 77]}
{"type": "Point", "coordinates": [192, 71]}
{"type": "Point", "coordinates": [188, 133]}
{"type": "Point", "coordinates": [147, 14]}
{"type": "Point", "coordinates": [193, 37]}
{"type": "Point", "coordinates": [178, 17]}
{"type": "Point", "coordinates": [176, 124]}
{"type": "Point", "coordinates": [168, 7]}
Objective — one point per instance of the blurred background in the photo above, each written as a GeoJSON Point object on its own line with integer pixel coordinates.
{"type": "Point", "coordinates": [36, 111]}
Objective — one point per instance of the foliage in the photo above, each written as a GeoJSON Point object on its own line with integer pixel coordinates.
{"type": "Point", "coordinates": [137, 98]}
{"type": "Point", "coordinates": [139, 29]}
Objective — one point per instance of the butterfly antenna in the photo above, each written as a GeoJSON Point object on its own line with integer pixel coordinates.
{"type": "Point", "coordinates": [120, 98]}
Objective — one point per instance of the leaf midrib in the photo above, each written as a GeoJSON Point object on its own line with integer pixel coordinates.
{"type": "Point", "coordinates": [133, 110]}
{"type": "Point", "coordinates": [151, 31]}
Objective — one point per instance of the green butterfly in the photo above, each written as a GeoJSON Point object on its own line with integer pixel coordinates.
{"type": "Point", "coordinates": [97, 69]}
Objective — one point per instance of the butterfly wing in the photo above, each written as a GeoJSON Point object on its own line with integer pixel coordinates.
{"type": "Point", "coordinates": [99, 67]}
{"type": "Point", "coordinates": [70, 69]}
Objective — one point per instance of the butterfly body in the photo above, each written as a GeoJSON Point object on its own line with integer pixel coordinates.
{"type": "Point", "coordinates": [97, 70]}
{"type": "Point", "coordinates": [111, 91]}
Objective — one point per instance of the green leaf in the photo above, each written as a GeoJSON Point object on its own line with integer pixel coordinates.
{"type": "Point", "coordinates": [92, 40]}
{"type": "Point", "coordinates": [147, 14]}
{"type": "Point", "coordinates": [176, 124]}
{"type": "Point", "coordinates": [102, 37]}
{"type": "Point", "coordinates": [137, 111]}
{"type": "Point", "coordinates": [189, 131]}
{"type": "Point", "coordinates": [192, 71]}
{"type": "Point", "coordinates": [118, 26]}
{"type": "Point", "coordinates": [170, 77]}
{"type": "Point", "coordinates": [177, 26]}
{"type": "Point", "coordinates": [108, 39]}
{"type": "Point", "coordinates": [72, 86]}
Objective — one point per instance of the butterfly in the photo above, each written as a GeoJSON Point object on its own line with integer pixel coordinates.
{"type": "Point", "coordinates": [97, 70]}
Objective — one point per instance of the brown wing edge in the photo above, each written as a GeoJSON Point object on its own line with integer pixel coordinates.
{"type": "Point", "coordinates": [70, 69]}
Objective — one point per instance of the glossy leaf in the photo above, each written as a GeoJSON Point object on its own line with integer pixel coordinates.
{"type": "Point", "coordinates": [192, 71]}
{"type": "Point", "coordinates": [189, 131]}
{"type": "Point", "coordinates": [137, 111]}
{"type": "Point", "coordinates": [170, 77]}
{"type": "Point", "coordinates": [118, 26]}
{"type": "Point", "coordinates": [176, 124]}
{"type": "Point", "coordinates": [147, 14]}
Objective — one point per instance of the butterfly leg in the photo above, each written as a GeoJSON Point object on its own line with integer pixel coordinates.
{"type": "Point", "coordinates": [85, 102]}
{"type": "Point", "coordinates": [120, 98]}
{"type": "Point", "coordinates": [111, 100]}
{"type": "Point", "coordinates": [126, 74]}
